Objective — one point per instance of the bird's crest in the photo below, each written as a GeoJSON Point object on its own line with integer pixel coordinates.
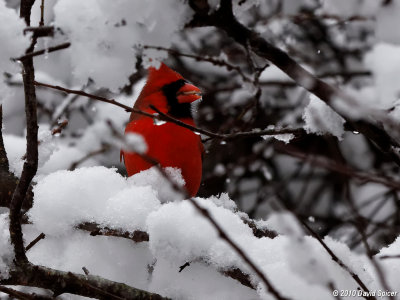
{"type": "Point", "coordinates": [157, 78]}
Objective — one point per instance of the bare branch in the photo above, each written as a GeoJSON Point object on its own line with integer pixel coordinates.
{"type": "Point", "coordinates": [35, 241]}
{"type": "Point", "coordinates": [137, 236]}
{"type": "Point", "coordinates": [164, 117]}
{"type": "Point", "coordinates": [341, 168]}
{"type": "Point", "coordinates": [40, 31]}
{"type": "Point", "coordinates": [41, 22]}
{"type": "Point", "coordinates": [223, 235]}
{"type": "Point", "coordinates": [224, 19]}
{"type": "Point", "coordinates": [66, 282]}
{"type": "Point", "coordinates": [3, 155]}
{"type": "Point", "coordinates": [41, 52]}
{"type": "Point", "coordinates": [389, 257]}
{"type": "Point", "coordinates": [31, 163]}
{"type": "Point", "coordinates": [214, 61]}
{"type": "Point", "coordinates": [89, 155]}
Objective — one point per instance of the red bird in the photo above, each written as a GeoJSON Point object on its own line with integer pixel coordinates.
{"type": "Point", "coordinates": [170, 144]}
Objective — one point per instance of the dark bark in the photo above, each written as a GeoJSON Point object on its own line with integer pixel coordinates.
{"type": "Point", "coordinates": [66, 282]}
{"type": "Point", "coordinates": [31, 163]}
{"type": "Point", "coordinates": [3, 155]}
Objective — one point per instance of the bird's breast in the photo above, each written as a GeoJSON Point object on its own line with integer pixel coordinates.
{"type": "Point", "coordinates": [172, 146]}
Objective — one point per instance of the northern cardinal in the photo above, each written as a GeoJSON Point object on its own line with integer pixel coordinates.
{"type": "Point", "coordinates": [169, 144]}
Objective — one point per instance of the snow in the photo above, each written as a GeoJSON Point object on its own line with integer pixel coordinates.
{"type": "Point", "coordinates": [224, 201]}
{"type": "Point", "coordinates": [108, 25]}
{"type": "Point", "coordinates": [320, 119]}
{"type": "Point", "coordinates": [135, 143]}
{"type": "Point", "coordinates": [175, 236]}
{"type": "Point", "coordinates": [15, 147]}
{"type": "Point", "coordinates": [15, 46]}
{"type": "Point", "coordinates": [6, 250]}
{"type": "Point", "coordinates": [286, 137]}
{"type": "Point", "coordinates": [117, 259]}
{"type": "Point", "coordinates": [285, 223]}
{"type": "Point", "coordinates": [46, 144]}
{"type": "Point", "coordinates": [53, 155]}
{"type": "Point", "coordinates": [296, 264]}
{"type": "Point", "coordinates": [240, 7]}
{"type": "Point", "coordinates": [63, 158]}
{"type": "Point", "coordinates": [391, 266]}
{"type": "Point", "coordinates": [200, 282]}
{"type": "Point", "coordinates": [384, 62]}
{"type": "Point", "coordinates": [273, 73]}
{"type": "Point", "coordinates": [386, 19]}
{"type": "Point", "coordinates": [163, 187]}
{"type": "Point", "coordinates": [349, 8]}
{"type": "Point", "coordinates": [97, 194]}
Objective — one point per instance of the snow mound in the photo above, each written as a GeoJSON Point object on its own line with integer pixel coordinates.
{"type": "Point", "coordinates": [6, 250]}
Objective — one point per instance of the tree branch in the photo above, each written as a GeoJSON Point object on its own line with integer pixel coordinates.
{"type": "Point", "coordinates": [3, 155]}
{"type": "Point", "coordinates": [43, 51]}
{"type": "Point", "coordinates": [66, 282]}
{"type": "Point", "coordinates": [40, 31]}
{"type": "Point", "coordinates": [164, 117]}
{"type": "Point", "coordinates": [137, 236]}
{"type": "Point", "coordinates": [224, 19]}
{"type": "Point", "coordinates": [223, 235]}
{"type": "Point", "coordinates": [23, 296]}
{"type": "Point", "coordinates": [31, 163]}
{"type": "Point", "coordinates": [341, 168]}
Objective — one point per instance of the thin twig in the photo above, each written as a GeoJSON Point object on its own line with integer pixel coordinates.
{"type": "Point", "coordinates": [91, 96]}
{"type": "Point", "coordinates": [60, 127]}
{"type": "Point", "coordinates": [3, 155]}
{"type": "Point", "coordinates": [389, 256]}
{"type": "Point", "coordinates": [35, 241]}
{"type": "Point", "coordinates": [375, 263]}
{"type": "Point", "coordinates": [339, 261]}
{"type": "Point", "coordinates": [223, 235]}
{"type": "Point", "coordinates": [41, 23]}
{"type": "Point", "coordinates": [342, 169]}
{"type": "Point", "coordinates": [164, 117]}
{"type": "Point", "coordinates": [31, 164]}
{"type": "Point", "coordinates": [89, 155]}
{"type": "Point", "coordinates": [43, 51]}
{"type": "Point", "coordinates": [137, 236]}
{"type": "Point", "coordinates": [214, 61]}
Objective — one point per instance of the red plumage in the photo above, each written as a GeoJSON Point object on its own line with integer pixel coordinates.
{"type": "Point", "coordinates": [170, 144]}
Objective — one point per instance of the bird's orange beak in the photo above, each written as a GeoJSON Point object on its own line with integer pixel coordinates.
{"type": "Point", "coordinates": [188, 93]}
